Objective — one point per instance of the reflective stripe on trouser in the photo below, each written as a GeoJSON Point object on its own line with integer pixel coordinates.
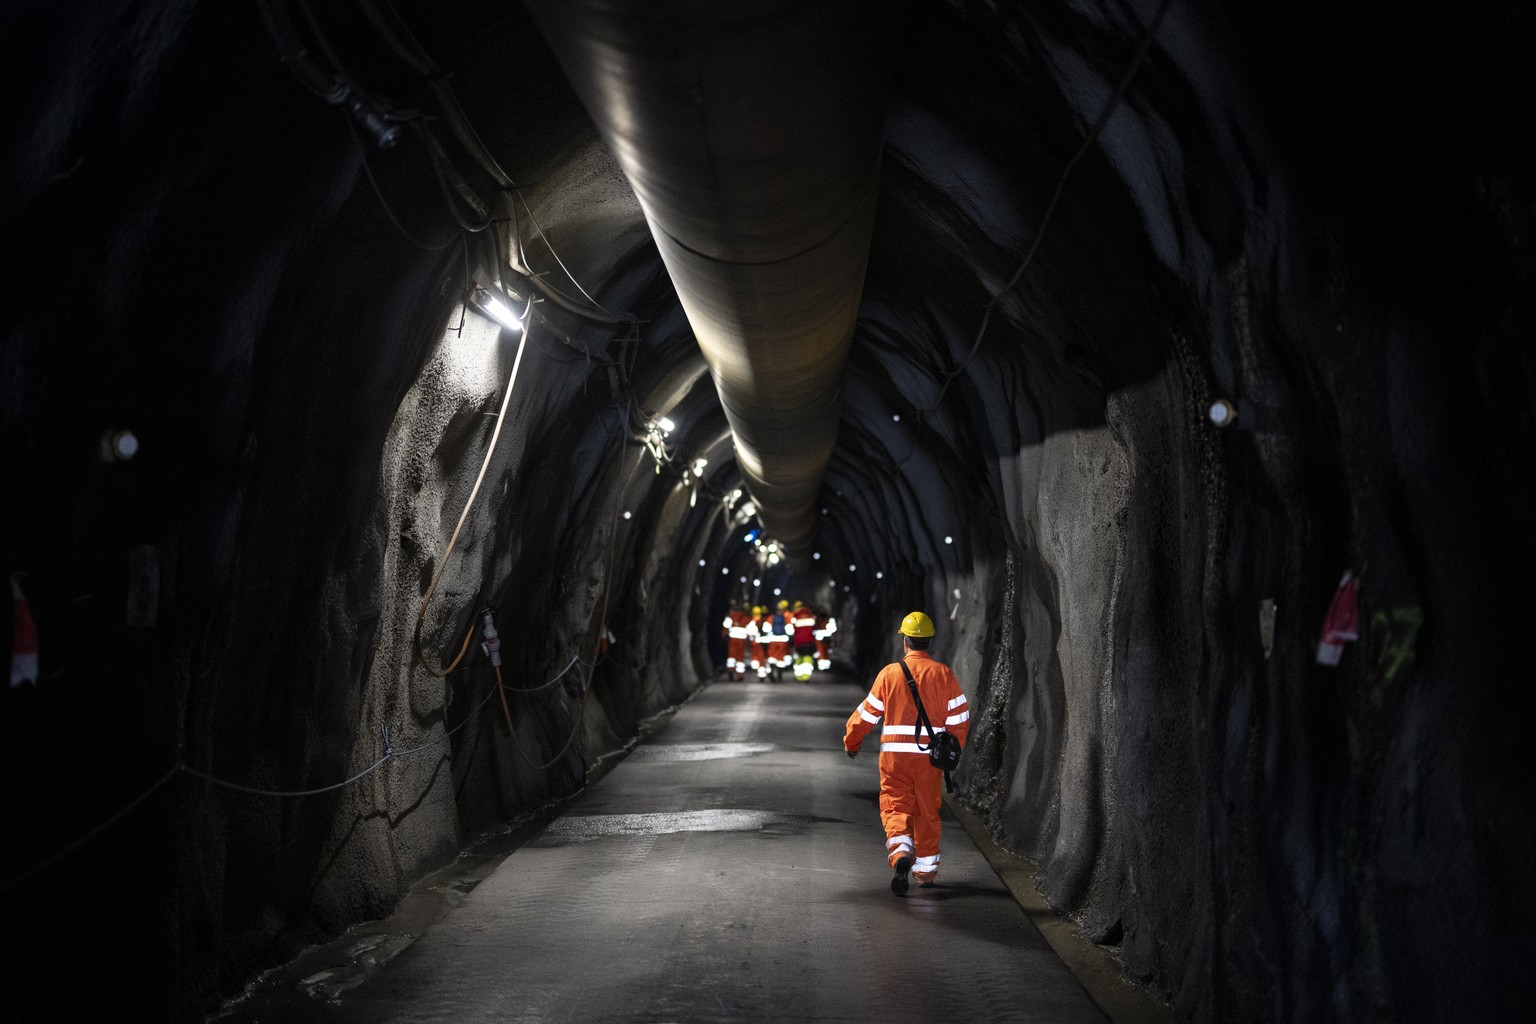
{"type": "Point", "coordinates": [804, 665]}
{"type": "Point", "coordinates": [911, 792]}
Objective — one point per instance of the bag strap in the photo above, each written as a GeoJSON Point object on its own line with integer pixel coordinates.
{"type": "Point", "coordinates": [922, 712]}
{"type": "Point", "coordinates": [922, 719]}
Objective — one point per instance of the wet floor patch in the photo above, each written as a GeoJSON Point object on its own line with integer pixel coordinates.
{"type": "Point", "coordinates": [362, 960]}
{"type": "Point", "coordinates": [586, 828]}
{"type": "Point", "coordinates": [656, 752]}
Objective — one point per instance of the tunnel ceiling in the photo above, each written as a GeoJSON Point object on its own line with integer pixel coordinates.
{"type": "Point", "coordinates": [252, 236]}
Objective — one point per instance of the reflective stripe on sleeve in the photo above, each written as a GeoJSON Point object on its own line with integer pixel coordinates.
{"type": "Point", "coordinates": [871, 719]}
{"type": "Point", "coordinates": [956, 702]}
{"type": "Point", "coordinates": [964, 716]}
{"type": "Point", "coordinates": [875, 702]}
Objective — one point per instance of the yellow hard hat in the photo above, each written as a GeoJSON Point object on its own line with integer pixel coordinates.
{"type": "Point", "coordinates": [757, 609]}
{"type": "Point", "coordinates": [916, 624]}
{"type": "Point", "coordinates": [783, 604]}
{"type": "Point", "coordinates": [799, 604]}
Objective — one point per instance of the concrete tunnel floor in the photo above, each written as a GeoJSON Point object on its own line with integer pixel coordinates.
{"type": "Point", "coordinates": [730, 867]}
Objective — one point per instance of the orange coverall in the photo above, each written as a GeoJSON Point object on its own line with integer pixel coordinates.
{"type": "Point", "coordinates": [757, 633]}
{"type": "Point", "coordinates": [735, 629]}
{"type": "Point", "coordinates": [778, 637]}
{"type": "Point", "coordinates": [911, 789]}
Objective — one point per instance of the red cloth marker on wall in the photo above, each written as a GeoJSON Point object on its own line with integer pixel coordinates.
{"type": "Point", "coordinates": [1342, 623]}
{"type": "Point", "coordinates": [23, 637]}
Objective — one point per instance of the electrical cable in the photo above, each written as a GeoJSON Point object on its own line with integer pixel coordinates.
{"type": "Point", "coordinates": [550, 246]}
{"type": "Point", "coordinates": [295, 57]}
{"type": "Point", "coordinates": [121, 813]}
{"type": "Point", "coordinates": [1061, 181]}
{"type": "Point", "coordinates": [390, 755]}
{"type": "Point", "coordinates": [287, 793]}
{"type": "Point", "coordinates": [341, 89]}
{"type": "Point", "coordinates": [501, 416]}
{"type": "Point", "coordinates": [395, 32]}
{"type": "Point", "coordinates": [379, 193]}
{"type": "Point", "coordinates": [602, 628]}
{"type": "Point", "coordinates": [575, 660]}
{"type": "Point", "coordinates": [439, 160]}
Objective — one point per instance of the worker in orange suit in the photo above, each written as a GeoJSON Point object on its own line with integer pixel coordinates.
{"type": "Point", "coordinates": [779, 631]}
{"type": "Point", "coordinates": [910, 792]}
{"type": "Point", "coordinates": [735, 631]}
{"type": "Point", "coordinates": [826, 625]}
{"type": "Point", "coordinates": [802, 640]}
{"type": "Point", "coordinates": [757, 635]}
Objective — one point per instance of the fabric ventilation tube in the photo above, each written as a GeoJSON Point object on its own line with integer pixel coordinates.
{"type": "Point", "coordinates": [750, 132]}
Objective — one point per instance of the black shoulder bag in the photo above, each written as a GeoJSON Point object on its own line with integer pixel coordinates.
{"type": "Point", "coordinates": [943, 748]}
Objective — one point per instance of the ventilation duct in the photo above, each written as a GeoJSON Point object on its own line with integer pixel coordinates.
{"type": "Point", "coordinates": [750, 132]}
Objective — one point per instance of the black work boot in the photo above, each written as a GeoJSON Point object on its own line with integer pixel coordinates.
{"type": "Point", "coordinates": [899, 882]}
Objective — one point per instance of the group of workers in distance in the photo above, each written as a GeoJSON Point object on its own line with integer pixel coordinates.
{"type": "Point", "coordinates": [917, 704]}
{"type": "Point", "coordinates": [772, 640]}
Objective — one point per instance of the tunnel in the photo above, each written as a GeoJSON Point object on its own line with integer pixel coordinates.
{"type": "Point", "coordinates": [396, 396]}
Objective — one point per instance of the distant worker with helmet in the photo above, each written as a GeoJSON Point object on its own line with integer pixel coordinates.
{"type": "Point", "coordinates": [757, 637]}
{"type": "Point", "coordinates": [826, 625]}
{"type": "Point", "coordinates": [909, 783]}
{"type": "Point", "coordinates": [735, 630]}
{"type": "Point", "coordinates": [778, 639]}
{"type": "Point", "coordinates": [803, 624]}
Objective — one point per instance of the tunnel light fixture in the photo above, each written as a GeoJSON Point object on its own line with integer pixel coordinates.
{"type": "Point", "coordinates": [725, 570]}
{"type": "Point", "coordinates": [879, 575]}
{"type": "Point", "coordinates": [1222, 412]}
{"type": "Point", "coordinates": [895, 417]}
{"type": "Point", "coordinates": [816, 555]}
{"type": "Point", "coordinates": [749, 510]}
{"type": "Point", "coordinates": [853, 568]}
{"type": "Point", "coordinates": [118, 446]}
{"type": "Point", "coordinates": [702, 563]}
{"type": "Point", "coordinates": [494, 305]}
{"type": "Point", "coordinates": [628, 514]}
{"type": "Point", "coordinates": [751, 536]}
{"type": "Point", "coordinates": [665, 425]}
{"type": "Point", "coordinates": [757, 583]}
{"type": "Point", "coordinates": [773, 559]}
{"type": "Point", "coordinates": [743, 579]}
{"type": "Point", "coordinates": [777, 591]}
{"type": "Point", "coordinates": [948, 539]}
{"type": "Point", "coordinates": [699, 464]}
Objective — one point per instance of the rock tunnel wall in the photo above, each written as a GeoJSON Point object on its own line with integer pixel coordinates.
{"type": "Point", "coordinates": [1276, 214]}
{"type": "Point", "coordinates": [1264, 838]}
